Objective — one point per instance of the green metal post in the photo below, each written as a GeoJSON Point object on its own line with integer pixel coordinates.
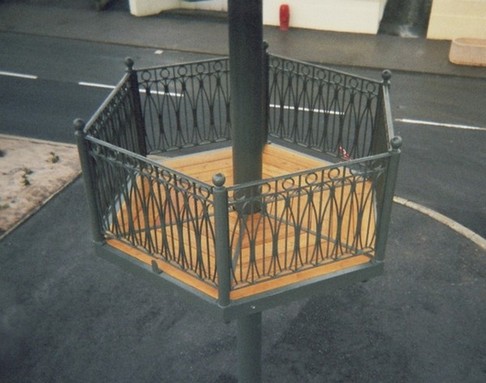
{"type": "Point", "coordinates": [88, 176]}
{"type": "Point", "coordinates": [250, 348]}
{"type": "Point", "coordinates": [248, 113]}
{"type": "Point", "coordinates": [387, 198]}
{"type": "Point", "coordinates": [137, 107]}
{"type": "Point", "coordinates": [246, 83]}
{"type": "Point", "coordinates": [222, 239]}
{"type": "Point", "coordinates": [384, 123]}
{"type": "Point", "coordinates": [266, 91]}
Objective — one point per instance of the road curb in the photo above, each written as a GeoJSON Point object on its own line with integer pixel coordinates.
{"type": "Point", "coordinates": [457, 227]}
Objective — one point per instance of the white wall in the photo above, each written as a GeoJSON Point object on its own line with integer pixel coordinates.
{"type": "Point", "coordinates": [209, 5]}
{"type": "Point", "coordinates": [361, 16]}
{"type": "Point", "coordinates": [450, 19]}
{"type": "Point", "coordinates": [151, 7]}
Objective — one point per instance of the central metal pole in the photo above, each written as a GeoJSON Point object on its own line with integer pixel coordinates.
{"type": "Point", "coordinates": [247, 108]}
{"type": "Point", "coordinates": [250, 348]}
{"type": "Point", "coordinates": [247, 112]}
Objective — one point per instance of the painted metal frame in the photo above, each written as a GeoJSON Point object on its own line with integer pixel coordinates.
{"type": "Point", "coordinates": [120, 134]}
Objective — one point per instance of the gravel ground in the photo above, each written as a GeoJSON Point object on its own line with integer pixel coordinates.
{"type": "Point", "coordinates": [32, 172]}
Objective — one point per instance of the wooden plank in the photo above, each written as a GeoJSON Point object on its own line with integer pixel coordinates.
{"type": "Point", "coordinates": [209, 158]}
{"type": "Point", "coordinates": [277, 160]}
{"type": "Point", "coordinates": [298, 160]}
{"type": "Point", "coordinates": [210, 155]}
{"type": "Point", "coordinates": [301, 276]}
{"type": "Point", "coordinates": [203, 166]}
{"type": "Point", "coordinates": [173, 271]}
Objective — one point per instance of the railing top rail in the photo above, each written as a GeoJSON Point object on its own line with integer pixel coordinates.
{"type": "Point", "coordinates": [348, 164]}
{"type": "Point", "coordinates": [225, 58]}
{"type": "Point", "coordinates": [148, 161]}
{"type": "Point", "coordinates": [389, 128]}
{"type": "Point", "coordinates": [205, 61]}
{"type": "Point", "coordinates": [106, 102]}
{"type": "Point", "coordinates": [332, 70]}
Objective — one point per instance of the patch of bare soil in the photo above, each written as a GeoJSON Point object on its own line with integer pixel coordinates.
{"type": "Point", "coordinates": [31, 172]}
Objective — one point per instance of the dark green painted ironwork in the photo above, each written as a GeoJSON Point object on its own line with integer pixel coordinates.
{"type": "Point", "coordinates": [90, 181]}
{"type": "Point", "coordinates": [246, 84]}
{"type": "Point", "coordinates": [320, 195]}
{"type": "Point", "coordinates": [114, 121]}
{"type": "Point", "coordinates": [249, 344]}
{"type": "Point", "coordinates": [137, 108]}
{"type": "Point", "coordinates": [185, 105]}
{"type": "Point", "coordinates": [301, 290]}
{"type": "Point", "coordinates": [118, 175]}
{"type": "Point", "coordinates": [387, 198]}
{"type": "Point", "coordinates": [221, 239]}
{"type": "Point", "coordinates": [188, 105]}
{"type": "Point", "coordinates": [266, 88]}
{"type": "Point", "coordinates": [381, 139]}
{"type": "Point", "coordinates": [326, 111]}
{"type": "Point", "coordinates": [242, 307]}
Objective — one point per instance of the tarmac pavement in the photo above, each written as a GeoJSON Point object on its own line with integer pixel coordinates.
{"type": "Point", "coordinates": [68, 316]}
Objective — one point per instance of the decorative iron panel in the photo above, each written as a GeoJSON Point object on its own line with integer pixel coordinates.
{"type": "Point", "coordinates": [277, 227]}
{"type": "Point", "coordinates": [325, 110]}
{"type": "Point", "coordinates": [303, 220]}
{"type": "Point", "coordinates": [162, 212]}
{"type": "Point", "coordinates": [186, 105]}
{"type": "Point", "coordinates": [114, 122]}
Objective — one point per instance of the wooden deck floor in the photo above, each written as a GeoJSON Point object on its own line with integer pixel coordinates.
{"type": "Point", "coordinates": [251, 233]}
{"type": "Point", "coordinates": [277, 161]}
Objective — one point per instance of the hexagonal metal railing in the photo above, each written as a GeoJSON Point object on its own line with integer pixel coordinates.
{"type": "Point", "coordinates": [293, 233]}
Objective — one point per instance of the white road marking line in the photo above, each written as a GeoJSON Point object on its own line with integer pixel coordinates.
{"type": "Point", "coordinates": [96, 85]}
{"type": "Point", "coordinates": [456, 226]}
{"type": "Point", "coordinates": [161, 93]}
{"type": "Point", "coordinates": [302, 109]}
{"type": "Point", "coordinates": [142, 90]}
{"type": "Point", "coordinates": [18, 75]}
{"type": "Point", "coordinates": [439, 124]}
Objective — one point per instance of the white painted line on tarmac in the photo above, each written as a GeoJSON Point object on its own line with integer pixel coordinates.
{"type": "Point", "coordinates": [96, 85]}
{"type": "Point", "coordinates": [456, 226]}
{"type": "Point", "coordinates": [18, 75]}
{"type": "Point", "coordinates": [302, 109]}
{"type": "Point", "coordinates": [439, 124]}
{"type": "Point", "coordinates": [161, 93]}
{"type": "Point", "coordinates": [142, 90]}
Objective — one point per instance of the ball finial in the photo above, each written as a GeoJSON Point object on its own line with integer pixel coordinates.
{"type": "Point", "coordinates": [129, 63]}
{"type": "Point", "coordinates": [396, 142]}
{"type": "Point", "coordinates": [219, 179]}
{"type": "Point", "coordinates": [386, 75]}
{"type": "Point", "coordinates": [79, 125]}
